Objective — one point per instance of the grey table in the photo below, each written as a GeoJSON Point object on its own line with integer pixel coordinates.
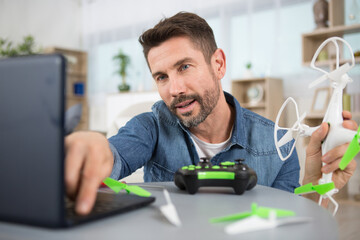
{"type": "Point", "coordinates": [195, 212]}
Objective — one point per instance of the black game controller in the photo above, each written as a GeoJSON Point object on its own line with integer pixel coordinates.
{"type": "Point", "coordinates": [231, 174]}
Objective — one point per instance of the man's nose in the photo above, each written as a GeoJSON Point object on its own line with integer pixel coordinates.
{"type": "Point", "coordinates": [177, 86]}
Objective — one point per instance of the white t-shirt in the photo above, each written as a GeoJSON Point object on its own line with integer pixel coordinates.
{"type": "Point", "coordinates": [208, 150]}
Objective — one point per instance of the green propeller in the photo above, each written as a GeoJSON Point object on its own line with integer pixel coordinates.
{"type": "Point", "coordinates": [117, 186]}
{"type": "Point", "coordinates": [262, 212]}
{"type": "Point", "coordinates": [351, 151]}
{"type": "Point", "coordinates": [320, 189]}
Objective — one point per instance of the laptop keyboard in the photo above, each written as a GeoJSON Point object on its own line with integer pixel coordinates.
{"type": "Point", "coordinates": [107, 204]}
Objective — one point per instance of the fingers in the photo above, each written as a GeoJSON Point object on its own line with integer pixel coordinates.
{"type": "Point", "coordinates": [90, 182]}
{"type": "Point", "coordinates": [92, 175]}
{"type": "Point", "coordinates": [88, 161]}
{"type": "Point", "coordinates": [313, 155]}
{"type": "Point", "coordinates": [73, 165]}
{"type": "Point", "coordinates": [348, 123]}
{"type": "Point", "coordinates": [316, 139]}
{"type": "Point", "coordinates": [346, 115]}
{"type": "Point", "coordinates": [314, 158]}
{"type": "Point", "coordinates": [333, 158]}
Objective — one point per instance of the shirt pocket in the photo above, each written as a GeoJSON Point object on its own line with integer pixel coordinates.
{"type": "Point", "coordinates": [160, 173]}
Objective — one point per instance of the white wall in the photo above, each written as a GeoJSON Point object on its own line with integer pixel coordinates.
{"type": "Point", "coordinates": [50, 22]}
{"type": "Point", "coordinates": [129, 13]}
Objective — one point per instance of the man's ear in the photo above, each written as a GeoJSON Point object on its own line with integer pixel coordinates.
{"type": "Point", "coordinates": [218, 60]}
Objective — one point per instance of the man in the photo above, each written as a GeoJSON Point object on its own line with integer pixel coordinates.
{"type": "Point", "coordinates": [195, 119]}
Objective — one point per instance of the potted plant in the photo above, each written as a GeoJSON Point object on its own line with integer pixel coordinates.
{"type": "Point", "coordinates": [7, 49]}
{"type": "Point", "coordinates": [248, 72]}
{"type": "Point", "coordinates": [123, 61]}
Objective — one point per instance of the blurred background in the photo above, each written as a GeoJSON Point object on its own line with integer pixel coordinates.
{"type": "Point", "coordinates": [267, 44]}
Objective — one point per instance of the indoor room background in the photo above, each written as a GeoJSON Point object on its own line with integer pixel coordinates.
{"type": "Point", "coordinates": [265, 33]}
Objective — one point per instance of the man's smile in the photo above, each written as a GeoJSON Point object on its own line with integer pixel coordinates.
{"type": "Point", "coordinates": [186, 106]}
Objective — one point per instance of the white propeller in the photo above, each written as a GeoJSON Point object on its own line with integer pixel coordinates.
{"type": "Point", "coordinates": [292, 132]}
{"type": "Point", "coordinates": [335, 75]}
{"type": "Point", "coordinates": [297, 130]}
{"type": "Point", "coordinates": [339, 74]}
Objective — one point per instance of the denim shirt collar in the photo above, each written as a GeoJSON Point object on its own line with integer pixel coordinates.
{"type": "Point", "coordinates": [238, 135]}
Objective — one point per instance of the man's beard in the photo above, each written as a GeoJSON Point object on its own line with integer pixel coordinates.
{"type": "Point", "coordinates": [207, 104]}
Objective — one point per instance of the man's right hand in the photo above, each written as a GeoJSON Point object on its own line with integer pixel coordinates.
{"type": "Point", "coordinates": [88, 162]}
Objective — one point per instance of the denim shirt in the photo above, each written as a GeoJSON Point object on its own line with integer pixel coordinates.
{"type": "Point", "coordinates": [159, 142]}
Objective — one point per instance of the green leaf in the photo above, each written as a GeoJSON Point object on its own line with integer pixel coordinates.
{"type": "Point", "coordinates": [123, 62]}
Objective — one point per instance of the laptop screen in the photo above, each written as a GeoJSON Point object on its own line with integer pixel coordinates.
{"type": "Point", "coordinates": [32, 139]}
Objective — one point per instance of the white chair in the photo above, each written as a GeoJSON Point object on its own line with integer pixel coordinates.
{"type": "Point", "coordinates": [126, 106]}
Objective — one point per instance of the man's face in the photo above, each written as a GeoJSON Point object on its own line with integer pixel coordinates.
{"type": "Point", "coordinates": [185, 81]}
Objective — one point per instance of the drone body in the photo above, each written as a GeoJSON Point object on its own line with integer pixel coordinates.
{"type": "Point", "coordinates": [337, 134]}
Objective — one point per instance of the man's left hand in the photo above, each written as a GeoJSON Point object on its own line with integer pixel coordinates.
{"type": "Point", "coordinates": [314, 160]}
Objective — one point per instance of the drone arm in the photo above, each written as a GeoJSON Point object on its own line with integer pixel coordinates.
{"type": "Point", "coordinates": [308, 131]}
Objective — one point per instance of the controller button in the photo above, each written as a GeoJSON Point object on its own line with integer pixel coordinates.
{"type": "Point", "coordinates": [216, 167]}
{"type": "Point", "coordinates": [191, 166]}
{"type": "Point", "coordinates": [216, 175]}
{"type": "Point", "coordinates": [191, 169]}
{"type": "Point", "coordinates": [184, 168]}
{"type": "Point", "coordinates": [224, 167]}
{"type": "Point", "coordinates": [207, 167]}
{"type": "Point", "coordinates": [198, 167]}
{"type": "Point", "coordinates": [227, 163]}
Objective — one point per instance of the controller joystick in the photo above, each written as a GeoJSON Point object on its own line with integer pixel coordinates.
{"type": "Point", "coordinates": [239, 161]}
{"type": "Point", "coordinates": [205, 162]}
{"type": "Point", "coordinates": [232, 174]}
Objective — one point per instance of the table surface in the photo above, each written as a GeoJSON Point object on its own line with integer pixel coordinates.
{"type": "Point", "coordinates": [194, 212]}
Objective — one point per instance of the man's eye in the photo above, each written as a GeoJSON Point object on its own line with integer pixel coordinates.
{"type": "Point", "coordinates": [184, 67]}
{"type": "Point", "coordinates": [161, 78]}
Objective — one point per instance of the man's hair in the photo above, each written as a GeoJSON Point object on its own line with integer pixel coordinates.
{"type": "Point", "coordinates": [182, 24]}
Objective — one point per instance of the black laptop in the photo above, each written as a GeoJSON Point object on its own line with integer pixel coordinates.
{"type": "Point", "coordinates": [32, 100]}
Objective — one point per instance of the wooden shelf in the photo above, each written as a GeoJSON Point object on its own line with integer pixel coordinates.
{"type": "Point", "coordinates": [75, 97]}
{"type": "Point", "coordinates": [272, 98]}
{"type": "Point", "coordinates": [311, 41]}
{"type": "Point", "coordinates": [76, 74]}
{"type": "Point", "coordinates": [333, 31]}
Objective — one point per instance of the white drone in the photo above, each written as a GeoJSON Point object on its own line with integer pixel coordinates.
{"type": "Point", "coordinates": [337, 134]}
